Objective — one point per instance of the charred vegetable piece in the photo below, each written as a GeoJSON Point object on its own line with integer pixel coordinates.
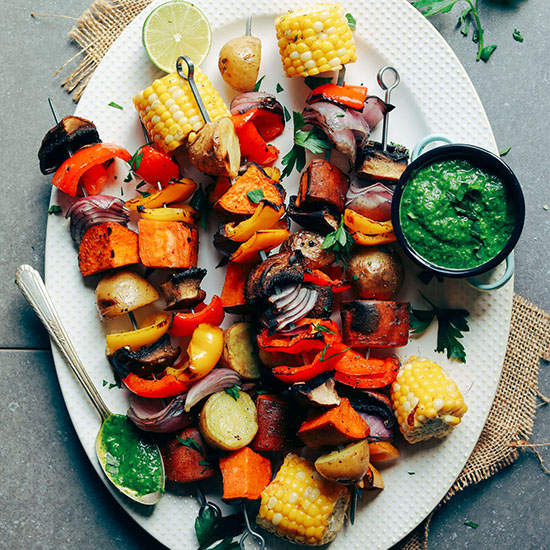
{"type": "Point", "coordinates": [154, 415]}
{"type": "Point", "coordinates": [253, 146]}
{"type": "Point", "coordinates": [324, 220]}
{"type": "Point", "coordinates": [216, 149]}
{"type": "Point", "coordinates": [174, 192]}
{"type": "Point", "coordinates": [352, 97]}
{"type": "Point", "coordinates": [182, 290]}
{"type": "Point", "coordinates": [274, 424]}
{"type": "Point", "coordinates": [107, 246]}
{"type": "Point", "coordinates": [147, 360]}
{"type": "Point", "coordinates": [239, 351]}
{"type": "Point", "coordinates": [340, 424]}
{"type": "Point", "coordinates": [233, 300]}
{"type": "Point", "coordinates": [375, 323]}
{"type": "Point", "coordinates": [64, 139]}
{"type": "Point", "coordinates": [372, 480]}
{"type": "Point", "coordinates": [377, 165]}
{"type": "Point", "coordinates": [309, 244]}
{"type": "Point", "coordinates": [236, 201]}
{"type": "Point", "coordinates": [297, 479]}
{"type": "Point", "coordinates": [345, 465]}
{"type": "Point", "coordinates": [322, 184]}
{"type": "Point", "coordinates": [121, 292]}
{"type": "Point", "coordinates": [185, 458]}
{"type": "Point", "coordinates": [245, 475]}
{"type": "Point", "coordinates": [167, 244]}
{"type": "Point", "coordinates": [374, 403]}
{"type": "Point", "coordinates": [263, 240]}
{"type": "Point", "coordinates": [319, 392]}
{"type": "Point", "coordinates": [381, 451]}
{"type": "Point", "coordinates": [185, 324]}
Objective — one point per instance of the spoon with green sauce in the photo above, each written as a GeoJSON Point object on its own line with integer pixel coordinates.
{"type": "Point", "coordinates": [132, 464]}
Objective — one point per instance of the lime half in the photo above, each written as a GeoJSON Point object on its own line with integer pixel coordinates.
{"type": "Point", "coordinates": [173, 29]}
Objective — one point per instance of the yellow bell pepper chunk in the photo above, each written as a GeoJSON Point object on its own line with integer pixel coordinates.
{"type": "Point", "coordinates": [264, 217]}
{"type": "Point", "coordinates": [262, 240]}
{"type": "Point", "coordinates": [186, 214]}
{"type": "Point", "coordinates": [362, 224]}
{"type": "Point", "coordinates": [154, 327]}
{"type": "Point", "coordinates": [174, 192]}
{"type": "Point", "coordinates": [370, 240]}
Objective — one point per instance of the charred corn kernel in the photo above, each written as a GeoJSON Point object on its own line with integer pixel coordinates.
{"type": "Point", "coordinates": [426, 402]}
{"type": "Point", "coordinates": [301, 506]}
{"type": "Point", "coordinates": [170, 113]}
{"type": "Point", "coordinates": [314, 40]}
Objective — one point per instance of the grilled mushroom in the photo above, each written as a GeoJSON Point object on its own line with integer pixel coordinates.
{"type": "Point", "coordinates": [375, 164]}
{"type": "Point", "coordinates": [182, 290]}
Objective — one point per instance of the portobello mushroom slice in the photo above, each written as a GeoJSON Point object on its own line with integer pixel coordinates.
{"type": "Point", "coordinates": [147, 360]}
{"type": "Point", "coordinates": [182, 290]}
{"type": "Point", "coordinates": [64, 139]}
{"type": "Point", "coordinates": [319, 392]}
{"type": "Point", "coordinates": [309, 244]}
{"type": "Point", "coordinates": [321, 219]}
{"type": "Point", "coordinates": [375, 164]}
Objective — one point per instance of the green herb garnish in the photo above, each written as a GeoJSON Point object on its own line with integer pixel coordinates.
{"type": "Point", "coordinates": [279, 88]}
{"type": "Point", "coordinates": [355, 277]}
{"type": "Point", "coordinates": [321, 328]}
{"type": "Point", "coordinates": [135, 160]}
{"type": "Point", "coordinates": [144, 194]}
{"type": "Point", "coordinates": [258, 84]}
{"type": "Point", "coordinates": [206, 464]}
{"type": "Point", "coordinates": [505, 151]}
{"type": "Point", "coordinates": [287, 114]}
{"type": "Point", "coordinates": [471, 524]}
{"type": "Point", "coordinates": [115, 105]}
{"type": "Point", "coordinates": [517, 36]}
{"type": "Point", "coordinates": [233, 391]}
{"type": "Point", "coordinates": [352, 24]}
{"type": "Point", "coordinates": [323, 358]}
{"type": "Point", "coordinates": [129, 177]}
{"type": "Point", "coordinates": [469, 16]}
{"type": "Point", "coordinates": [199, 201]}
{"type": "Point", "coordinates": [190, 442]}
{"type": "Point", "coordinates": [256, 195]}
{"type": "Point", "coordinates": [54, 209]}
{"type": "Point", "coordinates": [411, 473]}
{"type": "Point", "coordinates": [451, 324]}
{"type": "Point", "coordinates": [340, 243]}
{"type": "Point", "coordinates": [313, 82]}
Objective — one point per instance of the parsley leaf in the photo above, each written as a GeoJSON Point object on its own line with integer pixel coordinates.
{"type": "Point", "coordinates": [505, 152]}
{"type": "Point", "coordinates": [256, 195]}
{"type": "Point", "coordinates": [135, 160]}
{"type": "Point", "coordinates": [340, 243]}
{"type": "Point", "coordinates": [352, 24]}
{"type": "Point", "coordinates": [54, 209]}
{"type": "Point", "coordinates": [471, 524]}
{"type": "Point", "coordinates": [233, 391]}
{"type": "Point", "coordinates": [115, 105]}
{"type": "Point", "coordinates": [517, 36]}
{"type": "Point", "coordinates": [258, 84]}
{"type": "Point", "coordinates": [431, 7]}
{"type": "Point", "coordinates": [313, 82]}
{"type": "Point", "coordinates": [279, 88]}
{"type": "Point", "coordinates": [287, 114]}
{"type": "Point", "coordinates": [451, 324]}
{"type": "Point", "coordinates": [191, 443]}
{"type": "Point", "coordinates": [205, 525]}
{"type": "Point", "coordinates": [199, 201]}
{"type": "Point", "coordinates": [487, 52]}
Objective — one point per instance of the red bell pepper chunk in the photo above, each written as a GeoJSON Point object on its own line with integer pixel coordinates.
{"type": "Point", "coordinates": [184, 324]}
{"type": "Point", "coordinates": [368, 381]}
{"type": "Point", "coordinates": [69, 173]}
{"type": "Point", "coordinates": [324, 361]}
{"type": "Point", "coordinates": [94, 179]}
{"type": "Point", "coordinates": [254, 147]}
{"type": "Point", "coordinates": [354, 364]}
{"type": "Point", "coordinates": [352, 97]}
{"type": "Point", "coordinates": [319, 278]}
{"type": "Point", "coordinates": [167, 386]}
{"type": "Point", "coordinates": [154, 166]}
{"type": "Point", "coordinates": [269, 124]}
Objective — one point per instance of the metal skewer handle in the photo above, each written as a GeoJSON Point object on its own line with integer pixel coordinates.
{"type": "Point", "coordinates": [190, 78]}
{"type": "Point", "coordinates": [388, 87]}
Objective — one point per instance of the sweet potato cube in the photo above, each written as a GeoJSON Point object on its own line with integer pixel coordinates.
{"type": "Point", "coordinates": [107, 246]}
{"type": "Point", "coordinates": [167, 244]}
{"type": "Point", "coordinates": [273, 424]}
{"type": "Point", "coordinates": [233, 288]}
{"type": "Point", "coordinates": [332, 427]}
{"type": "Point", "coordinates": [183, 462]}
{"type": "Point", "coordinates": [245, 474]}
{"type": "Point", "coordinates": [375, 323]}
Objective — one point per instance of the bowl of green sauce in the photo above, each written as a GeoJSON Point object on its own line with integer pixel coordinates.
{"type": "Point", "coordinates": [458, 210]}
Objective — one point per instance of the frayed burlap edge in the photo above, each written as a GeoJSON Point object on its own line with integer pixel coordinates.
{"type": "Point", "coordinates": [513, 411]}
{"type": "Point", "coordinates": [96, 29]}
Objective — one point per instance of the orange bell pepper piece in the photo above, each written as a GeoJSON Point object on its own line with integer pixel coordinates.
{"type": "Point", "coordinates": [173, 192]}
{"type": "Point", "coordinates": [262, 240]}
{"type": "Point", "coordinates": [264, 217]}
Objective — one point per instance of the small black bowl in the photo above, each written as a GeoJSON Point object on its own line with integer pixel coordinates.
{"type": "Point", "coordinates": [478, 157]}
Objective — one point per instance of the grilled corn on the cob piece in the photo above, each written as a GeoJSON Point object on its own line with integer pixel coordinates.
{"type": "Point", "coordinates": [170, 113]}
{"type": "Point", "coordinates": [314, 40]}
{"type": "Point", "coordinates": [427, 403]}
{"type": "Point", "coordinates": [302, 506]}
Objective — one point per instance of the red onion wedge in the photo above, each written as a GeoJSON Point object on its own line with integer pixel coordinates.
{"type": "Point", "coordinates": [252, 100]}
{"type": "Point", "coordinates": [86, 212]}
{"type": "Point", "coordinates": [378, 430]}
{"type": "Point", "coordinates": [374, 110]}
{"type": "Point", "coordinates": [215, 380]}
{"type": "Point", "coordinates": [152, 415]}
{"type": "Point", "coordinates": [373, 202]}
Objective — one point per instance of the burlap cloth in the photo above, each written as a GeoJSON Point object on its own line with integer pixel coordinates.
{"type": "Point", "coordinates": [510, 422]}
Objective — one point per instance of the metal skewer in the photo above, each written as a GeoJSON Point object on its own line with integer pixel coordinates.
{"type": "Point", "coordinates": [204, 504]}
{"type": "Point", "coordinates": [249, 532]}
{"type": "Point", "coordinates": [388, 87]}
{"type": "Point", "coordinates": [190, 79]}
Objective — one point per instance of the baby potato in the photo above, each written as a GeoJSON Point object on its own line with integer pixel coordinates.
{"type": "Point", "coordinates": [375, 273]}
{"type": "Point", "coordinates": [239, 352]}
{"type": "Point", "coordinates": [346, 465]}
{"type": "Point", "coordinates": [239, 62]}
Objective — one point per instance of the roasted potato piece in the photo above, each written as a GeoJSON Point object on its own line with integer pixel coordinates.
{"type": "Point", "coordinates": [309, 244]}
{"type": "Point", "coordinates": [239, 62]}
{"type": "Point", "coordinates": [216, 150]}
{"type": "Point", "coordinates": [228, 423]}
{"type": "Point", "coordinates": [122, 292]}
{"type": "Point", "coordinates": [239, 351]}
{"type": "Point", "coordinates": [345, 465]}
{"type": "Point", "coordinates": [376, 274]}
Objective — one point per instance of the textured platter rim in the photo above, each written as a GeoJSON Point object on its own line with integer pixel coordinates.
{"type": "Point", "coordinates": [424, 40]}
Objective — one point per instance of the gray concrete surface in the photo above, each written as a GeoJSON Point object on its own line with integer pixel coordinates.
{"type": "Point", "coordinates": [50, 498]}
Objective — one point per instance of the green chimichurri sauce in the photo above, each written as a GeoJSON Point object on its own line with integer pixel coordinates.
{"type": "Point", "coordinates": [129, 460]}
{"type": "Point", "coordinates": [456, 215]}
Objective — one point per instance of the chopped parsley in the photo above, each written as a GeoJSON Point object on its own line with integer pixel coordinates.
{"type": "Point", "coordinates": [340, 242]}
{"type": "Point", "coordinates": [115, 105]}
{"type": "Point", "coordinates": [258, 84]}
{"type": "Point", "coordinates": [199, 201]}
{"type": "Point", "coordinates": [321, 328]}
{"type": "Point", "coordinates": [279, 88]}
{"type": "Point", "coordinates": [233, 391]}
{"type": "Point", "coordinates": [54, 209]}
{"type": "Point", "coordinates": [517, 36]}
{"type": "Point", "coordinates": [313, 82]}
{"type": "Point", "coordinates": [190, 442]}
{"type": "Point", "coordinates": [352, 24]}
{"type": "Point", "coordinates": [505, 151]}
{"type": "Point", "coordinates": [206, 464]}
{"type": "Point", "coordinates": [471, 524]}
{"type": "Point", "coordinates": [287, 114]}
{"type": "Point", "coordinates": [256, 195]}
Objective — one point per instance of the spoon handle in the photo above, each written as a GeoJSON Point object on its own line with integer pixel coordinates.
{"type": "Point", "coordinates": [31, 285]}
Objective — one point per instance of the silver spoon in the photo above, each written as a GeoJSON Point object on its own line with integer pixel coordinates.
{"type": "Point", "coordinates": [31, 285]}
